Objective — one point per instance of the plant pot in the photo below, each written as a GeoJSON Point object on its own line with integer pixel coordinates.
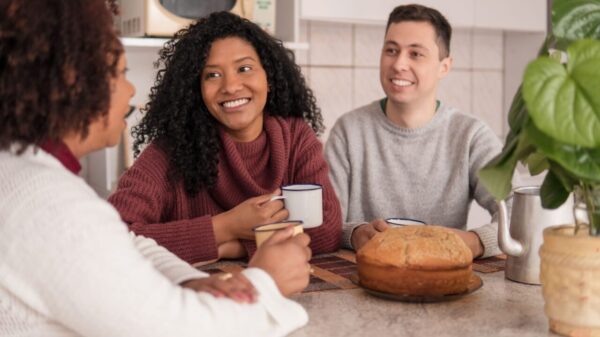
{"type": "Point", "coordinates": [570, 276]}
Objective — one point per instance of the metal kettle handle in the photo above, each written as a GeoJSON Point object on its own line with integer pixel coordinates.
{"type": "Point", "coordinates": [507, 244]}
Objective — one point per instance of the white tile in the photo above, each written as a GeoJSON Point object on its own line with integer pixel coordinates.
{"type": "Point", "coordinates": [461, 49]}
{"type": "Point", "coordinates": [478, 216]}
{"type": "Point", "coordinates": [488, 49]}
{"type": "Point", "coordinates": [520, 48]}
{"type": "Point", "coordinates": [302, 54]}
{"type": "Point", "coordinates": [333, 89]}
{"type": "Point", "coordinates": [368, 41]}
{"type": "Point", "coordinates": [367, 86]}
{"type": "Point", "coordinates": [330, 44]}
{"type": "Point", "coordinates": [487, 99]}
{"type": "Point", "coordinates": [456, 90]}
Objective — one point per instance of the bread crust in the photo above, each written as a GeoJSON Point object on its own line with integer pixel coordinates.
{"type": "Point", "coordinates": [415, 260]}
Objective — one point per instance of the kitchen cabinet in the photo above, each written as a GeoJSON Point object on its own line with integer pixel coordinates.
{"type": "Point", "coordinates": [515, 15]}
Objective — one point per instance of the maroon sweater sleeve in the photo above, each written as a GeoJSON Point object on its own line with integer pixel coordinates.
{"type": "Point", "coordinates": [146, 199]}
{"type": "Point", "coordinates": [310, 167]}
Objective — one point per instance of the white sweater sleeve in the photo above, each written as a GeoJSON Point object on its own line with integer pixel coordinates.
{"type": "Point", "coordinates": [167, 263]}
{"type": "Point", "coordinates": [67, 256]}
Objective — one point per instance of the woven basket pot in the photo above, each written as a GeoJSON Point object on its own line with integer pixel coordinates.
{"type": "Point", "coordinates": [570, 276]}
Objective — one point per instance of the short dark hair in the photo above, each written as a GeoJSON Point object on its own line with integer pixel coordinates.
{"type": "Point", "coordinates": [56, 61]}
{"type": "Point", "coordinates": [414, 12]}
{"type": "Point", "coordinates": [178, 121]}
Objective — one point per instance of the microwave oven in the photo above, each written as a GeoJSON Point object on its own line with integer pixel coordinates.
{"type": "Point", "coordinates": [162, 18]}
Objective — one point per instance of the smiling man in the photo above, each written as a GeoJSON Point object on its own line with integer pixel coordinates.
{"type": "Point", "coordinates": [408, 154]}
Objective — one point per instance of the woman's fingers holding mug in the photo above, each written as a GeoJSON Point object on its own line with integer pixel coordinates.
{"type": "Point", "coordinates": [302, 239]}
{"type": "Point", "coordinates": [267, 198]}
{"type": "Point", "coordinates": [280, 236]}
{"type": "Point", "coordinates": [274, 204]}
{"type": "Point", "coordinates": [285, 257]}
{"type": "Point", "coordinates": [277, 197]}
{"type": "Point", "coordinates": [280, 215]}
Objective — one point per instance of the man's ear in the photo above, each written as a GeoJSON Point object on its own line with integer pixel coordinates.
{"type": "Point", "coordinates": [445, 66]}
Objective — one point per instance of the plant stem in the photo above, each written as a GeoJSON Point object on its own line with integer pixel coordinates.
{"type": "Point", "coordinates": [591, 195]}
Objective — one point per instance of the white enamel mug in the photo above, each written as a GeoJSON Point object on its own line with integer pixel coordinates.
{"type": "Point", "coordinates": [304, 202]}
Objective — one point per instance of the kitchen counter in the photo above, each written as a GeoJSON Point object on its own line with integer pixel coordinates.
{"type": "Point", "coordinates": [500, 308]}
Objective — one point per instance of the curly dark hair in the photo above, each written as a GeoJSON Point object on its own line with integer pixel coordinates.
{"type": "Point", "coordinates": [56, 59]}
{"type": "Point", "coordinates": [176, 118]}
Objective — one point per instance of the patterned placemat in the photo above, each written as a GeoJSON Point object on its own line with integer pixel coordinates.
{"type": "Point", "coordinates": [333, 271]}
{"type": "Point", "coordinates": [490, 264]}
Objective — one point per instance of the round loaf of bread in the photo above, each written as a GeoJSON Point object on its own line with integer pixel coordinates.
{"type": "Point", "coordinates": [415, 261]}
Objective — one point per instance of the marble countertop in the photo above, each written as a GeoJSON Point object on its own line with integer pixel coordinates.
{"type": "Point", "coordinates": [500, 308]}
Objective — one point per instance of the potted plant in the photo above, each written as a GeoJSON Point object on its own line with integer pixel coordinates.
{"type": "Point", "coordinates": [555, 127]}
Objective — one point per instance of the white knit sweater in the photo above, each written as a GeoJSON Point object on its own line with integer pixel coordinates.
{"type": "Point", "coordinates": [69, 267]}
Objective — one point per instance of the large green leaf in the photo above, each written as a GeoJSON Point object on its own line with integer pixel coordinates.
{"type": "Point", "coordinates": [496, 175]}
{"type": "Point", "coordinates": [576, 19]}
{"type": "Point", "coordinates": [566, 178]}
{"type": "Point", "coordinates": [537, 163]}
{"type": "Point", "coordinates": [552, 192]}
{"type": "Point", "coordinates": [578, 161]}
{"type": "Point", "coordinates": [564, 102]}
{"type": "Point", "coordinates": [517, 115]}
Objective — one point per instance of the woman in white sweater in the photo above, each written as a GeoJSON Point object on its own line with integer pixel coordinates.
{"type": "Point", "coordinates": [68, 265]}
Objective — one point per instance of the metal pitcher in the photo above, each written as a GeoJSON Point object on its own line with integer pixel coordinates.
{"type": "Point", "coordinates": [527, 223]}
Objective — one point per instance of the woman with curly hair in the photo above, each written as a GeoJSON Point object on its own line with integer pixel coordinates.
{"type": "Point", "coordinates": [230, 120]}
{"type": "Point", "coordinates": [69, 265]}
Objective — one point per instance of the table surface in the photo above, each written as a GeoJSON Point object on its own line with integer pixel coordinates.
{"type": "Point", "coordinates": [336, 307]}
{"type": "Point", "coordinates": [500, 308]}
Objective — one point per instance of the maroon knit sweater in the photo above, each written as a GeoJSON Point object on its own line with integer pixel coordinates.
{"type": "Point", "coordinates": [286, 152]}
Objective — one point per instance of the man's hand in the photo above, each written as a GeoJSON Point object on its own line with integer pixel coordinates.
{"type": "Point", "coordinates": [232, 285]}
{"type": "Point", "coordinates": [472, 241]}
{"type": "Point", "coordinates": [363, 233]}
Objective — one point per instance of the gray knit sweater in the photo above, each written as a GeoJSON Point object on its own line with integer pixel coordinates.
{"type": "Point", "coordinates": [380, 170]}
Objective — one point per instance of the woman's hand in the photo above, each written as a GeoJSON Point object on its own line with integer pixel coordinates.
{"type": "Point", "coordinates": [285, 258]}
{"type": "Point", "coordinates": [231, 250]}
{"type": "Point", "coordinates": [237, 223]}
{"type": "Point", "coordinates": [363, 233]}
{"type": "Point", "coordinates": [232, 285]}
